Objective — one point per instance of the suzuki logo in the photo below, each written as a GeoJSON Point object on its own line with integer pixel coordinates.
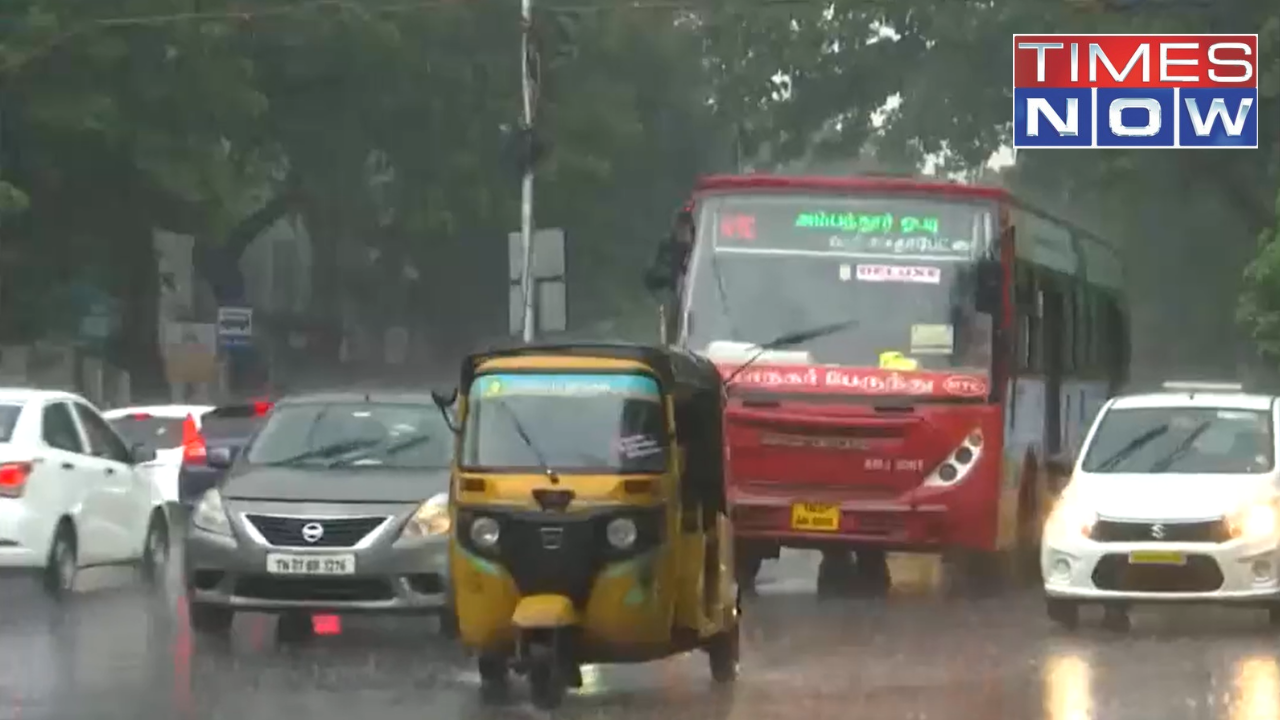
{"type": "Point", "coordinates": [1157, 531]}
{"type": "Point", "coordinates": [312, 532]}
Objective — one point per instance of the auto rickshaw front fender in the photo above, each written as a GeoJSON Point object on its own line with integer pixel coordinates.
{"type": "Point", "coordinates": [544, 611]}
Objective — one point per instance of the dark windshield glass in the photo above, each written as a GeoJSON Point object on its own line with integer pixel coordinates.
{"type": "Point", "coordinates": [1181, 440]}
{"type": "Point", "coordinates": [357, 434]}
{"type": "Point", "coordinates": [902, 268]}
{"type": "Point", "coordinates": [156, 433]}
{"type": "Point", "coordinates": [8, 419]}
{"type": "Point", "coordinates": [236, 423]}
{"type": "Point", "coordinates": [564, 422]}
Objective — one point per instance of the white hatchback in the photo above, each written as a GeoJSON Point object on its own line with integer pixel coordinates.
{"type": "Point", "coordinates": [1174, 499]}
{"type": "Point", "coordinates": [71, 495]}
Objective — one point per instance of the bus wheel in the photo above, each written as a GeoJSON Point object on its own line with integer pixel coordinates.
{"type": "Point", "coordinates": [837, 574]}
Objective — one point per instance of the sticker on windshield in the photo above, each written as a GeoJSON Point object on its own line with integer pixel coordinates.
{"type": "Point", "coordinates": [1237, 415]}
{"type": "Point", "coordinates": [846, 272]}
{"type": "Point", "coordinates": [637, 386]}
{"type": "Point", "coordinates": [933, 339]}
{"type": "Point", "coordinates": [633, 447]}
{"type": "Point", "coordinates": [894, 360]}
{"type": "Point", "coordinates": [900, 273]}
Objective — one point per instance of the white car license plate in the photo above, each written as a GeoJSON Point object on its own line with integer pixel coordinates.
{"type": "Point", "coordinates": [282, 564]}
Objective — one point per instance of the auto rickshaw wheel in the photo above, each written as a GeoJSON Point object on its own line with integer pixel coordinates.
{"type": "Point", "coordinates": [723, 652]}
{"type": "Point", "coordinates": [546, 684]}
{"type": "Point", "coordinates": [494, 674]}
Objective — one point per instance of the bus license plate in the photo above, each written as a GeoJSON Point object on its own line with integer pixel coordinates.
{"type": "Point", "coordinates": [812, 517]}
{"type": "Point", "coordinates": [1156, 557]}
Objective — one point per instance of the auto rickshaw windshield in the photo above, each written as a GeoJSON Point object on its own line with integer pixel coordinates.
{"type": "Point", "coordinates": [584, 423]}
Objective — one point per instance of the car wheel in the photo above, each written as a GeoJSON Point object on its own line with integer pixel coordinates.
{"type": "Point", "coordinates": [1063, 613]}
{"type": "Point", "coordinates": [60, 573]}
{"type": "Point", "coordinates": [155, 551]}
{"type": "Point", "coordinates": [210, 619]}
{"type": "Point", "coordinates": [723, 653]}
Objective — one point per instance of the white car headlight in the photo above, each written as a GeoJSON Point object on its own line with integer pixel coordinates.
{"type": "Point", "coordinates": [431, 518]}
{"type": "Point", "coordinates": [621, 533]}
{"type": "Point", "coordinates": [1258, 520]}
{"type": "Point", "coordinates": [1071, 518]}
{"type": "Point", "coordinates": [209, 514]}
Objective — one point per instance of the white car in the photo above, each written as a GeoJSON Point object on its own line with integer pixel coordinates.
{"type": "Point", "coordinates": [1173, 499]}
{"type": "Point", "coordinates": [166, 429]}
{"type": "Point", "coordinates": [71, 495]}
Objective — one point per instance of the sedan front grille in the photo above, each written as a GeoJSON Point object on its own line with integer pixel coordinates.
{"type": "Point", "coordinates": [334, 532]}
{"type": "Point", "coordinates": [1205, 531]}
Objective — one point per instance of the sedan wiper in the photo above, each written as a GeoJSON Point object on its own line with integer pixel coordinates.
{"type": "Point", "coordinates": [394, 448]}
{"type": "Point", "coordinates": [1166, 462]}
{"type": "Point", "coordinates": [326, 451]}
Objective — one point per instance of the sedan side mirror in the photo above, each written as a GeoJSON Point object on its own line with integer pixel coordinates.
{"type": "Point", "coordinates": [141, 453]}
{"type": "Point", "coordinates": [221, 458]}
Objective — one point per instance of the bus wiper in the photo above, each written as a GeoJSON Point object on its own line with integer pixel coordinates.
{"type": "Point", "coordinates": [528, 441]}
{"type": "Point", "coordinates": [790, 340]}
{"type": "Point", "coordinates": [1166, 462]}
{"type": "Point", "coordinates": [1132, 447]}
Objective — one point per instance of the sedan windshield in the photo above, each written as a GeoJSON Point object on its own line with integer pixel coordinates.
{"type": "Point", "coordinates": [1182, 440]}
{"type": "Point", "coordinates": [565, 422]}
{"type": "Point", "coordinates": [397, 435]}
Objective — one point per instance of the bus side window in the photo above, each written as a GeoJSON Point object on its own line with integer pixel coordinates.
{"type": "Point", "coordinates": [1028, 304]}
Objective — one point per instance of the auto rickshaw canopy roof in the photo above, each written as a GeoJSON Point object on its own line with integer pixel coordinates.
{"type": "Point", "coordinates": [676, 369]}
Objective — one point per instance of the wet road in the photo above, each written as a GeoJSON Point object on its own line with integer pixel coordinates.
{"type": "Point", "coordinates": [119, 653]}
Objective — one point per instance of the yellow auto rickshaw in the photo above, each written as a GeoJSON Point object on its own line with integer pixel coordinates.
{"type": "Point", "coordinates": [589, 514]}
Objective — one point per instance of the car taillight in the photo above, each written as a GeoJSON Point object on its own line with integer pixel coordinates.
{"type": "Point", "coordinates": [141, 416]}
{"type": "Point", "coordinates": [13, 479]}
{"type": "Point", "coordinates": [193, 447]}
{"type": "Point", "coordinates": [261, 408]}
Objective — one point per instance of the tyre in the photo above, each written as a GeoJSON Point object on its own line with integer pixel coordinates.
{"type": "Point", "coordinates": [447, 624]}
{"type": "Point", "coordinates": [722, 654]}
{"type": "Point", "coordinates": [210, 619]}
{"type": "Point", "coordinates": [494, 677]}
{"type": "Point", "coordinates": [59, 578]}
{"type": "Point", "coordinates": [1115, 618]}
{"type": "Point", "coordinates": [1063, 613]}
{"type": "Point", "coordinates": [746, 568]}
{"type": "Point", "coordinates": [546, 685]}
{"type": "Point", "coordinates": [155, 550]}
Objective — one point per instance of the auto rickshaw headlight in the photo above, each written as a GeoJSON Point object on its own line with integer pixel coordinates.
{"type": "Point", "coordinates": [485, 532]}
{"type": "Point", "coordinates": [621, 533]}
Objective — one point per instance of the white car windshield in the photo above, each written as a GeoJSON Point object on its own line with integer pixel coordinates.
{"type": "Point", "coordinates": [1182, 440]}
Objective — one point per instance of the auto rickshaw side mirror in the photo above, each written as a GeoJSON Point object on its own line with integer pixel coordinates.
{"type": "Point", "coordinates": [444, 403]}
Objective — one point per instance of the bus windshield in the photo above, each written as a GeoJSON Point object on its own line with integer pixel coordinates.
{"type": "Point", "coordinates": [901, 268]}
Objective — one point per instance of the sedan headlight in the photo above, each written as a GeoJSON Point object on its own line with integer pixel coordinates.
{"type": "Point", "coordinates": [1071, 518]}
{"type": "Point", "coordinates": [431, 518]}
{"type": "Point", "coordinates": [1255, 521]}
{"type": "Point", "coordinates": [209, 514]}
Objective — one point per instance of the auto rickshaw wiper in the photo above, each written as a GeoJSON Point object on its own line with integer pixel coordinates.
{"type": "Point", "coordinates": [788, 340]}
{"type": "Point", "coordinates": [528, 441]}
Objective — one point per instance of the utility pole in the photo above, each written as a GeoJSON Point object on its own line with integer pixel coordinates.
{"type": "Point", "coordinates": [529, 91]}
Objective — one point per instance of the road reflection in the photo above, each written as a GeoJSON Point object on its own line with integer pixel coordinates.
{"type": "Point", "coordinates": [1257, 689]}
{"type": "Point", "coordinates": [1068, 687]}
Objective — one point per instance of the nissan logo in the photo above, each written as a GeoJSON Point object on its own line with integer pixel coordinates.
{"type": "Point", "coordinates": [312, 532]}
{"type": "Point", "coordinates": [1157, 531]}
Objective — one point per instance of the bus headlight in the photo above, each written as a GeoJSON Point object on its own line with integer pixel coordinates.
{"type": "Point", "coordinates": [1254, 521]}
{"type": "Point", "coordinates": [431, 518]}
{"type": "Point", "coordinates": [621, 533]}
{"type": "Point", "coordinates": [485, 532]}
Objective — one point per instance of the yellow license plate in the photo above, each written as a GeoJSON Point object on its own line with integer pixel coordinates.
{"type": "Point", "coordinates": [1156, 557]}
{"type": "Point", "coordinates": [812, 517]}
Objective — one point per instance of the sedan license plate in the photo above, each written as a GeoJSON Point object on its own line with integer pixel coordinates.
{"type": "Point", "coordinates": [812, 517]}
{"type": "Point", "coordinates": [1156, 557]}
{"type": "Point", "coordinates": [282, 564]}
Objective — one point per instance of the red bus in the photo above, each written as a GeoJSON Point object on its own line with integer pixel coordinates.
{"type": "Point", "coordinates": [962, 342]}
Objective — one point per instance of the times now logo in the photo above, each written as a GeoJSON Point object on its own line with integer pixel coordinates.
{"type": "Point", "coordinates": [1135, 91]}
